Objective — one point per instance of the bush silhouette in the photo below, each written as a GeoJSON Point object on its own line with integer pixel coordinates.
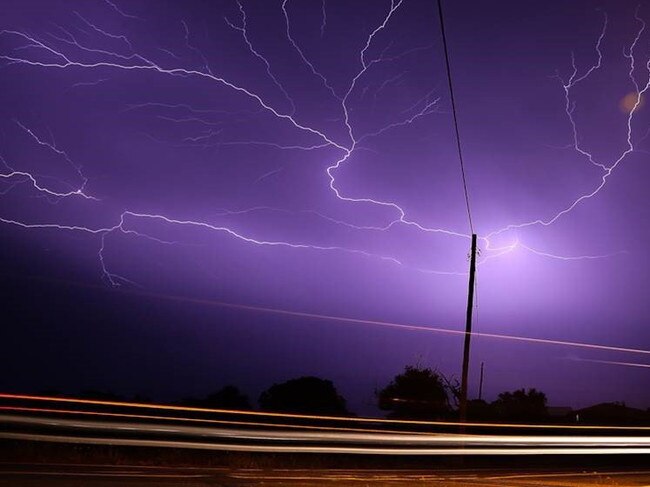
{"type": "Point", "coordinates": [417, 393]}
{"type": "Point", "coordinates": [521, 405]}
{"type": "Point", "coordinates": [305, 395]}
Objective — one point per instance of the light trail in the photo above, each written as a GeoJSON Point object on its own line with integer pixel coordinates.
{"type": "Point", "coordinates": [564, 474]}
{"type": "Point", "coordinates": [166, 407]}
{"type": "Point", "coordinates": [417, 328]}
{"type": "Point", "coordinates": [204, 420]}
{"type": "Point", "coordinates": [383, 438]}
{"type": "Point", "coordinates": [360, 321]}
{"type": "Point", "coordinates": [362, 450]}
{"type": "Point", "coordinates": [123, 475]}
{"type": "Point", "coordinates": [612, 362]}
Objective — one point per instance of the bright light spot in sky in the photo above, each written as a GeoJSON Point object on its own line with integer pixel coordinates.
{"type": "Point", "coordinates": [629, 102]}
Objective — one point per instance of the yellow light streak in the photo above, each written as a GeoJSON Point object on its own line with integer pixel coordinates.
{"type": "Point", "coordinates": [97, 402]}
{"type": "Point", "coordinates": [326, 449]}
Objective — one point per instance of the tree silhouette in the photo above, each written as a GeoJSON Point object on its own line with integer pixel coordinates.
{"type": "Point", "coordinates": [417, 393]}
{"type": "Point", "coordinates": [521, 405]}
{"type": "Point", "coordinates": [613, 413]}
{"type": "Point", "coordinates": [305, 395]}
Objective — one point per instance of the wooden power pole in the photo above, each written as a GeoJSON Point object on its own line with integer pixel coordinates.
{"type": "Point", "coordinates": [468, 332]}
{"type": "Point", "coordinates": [480, 383]}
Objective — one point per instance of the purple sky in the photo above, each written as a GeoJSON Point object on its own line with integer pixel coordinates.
{"type": "Point", "coordinates": [301, 157]}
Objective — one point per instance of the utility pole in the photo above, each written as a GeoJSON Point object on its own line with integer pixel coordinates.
{"type": "Point", "coordinates": [468, 332]}
{"type": "Point", "coordinates": [480, 384]}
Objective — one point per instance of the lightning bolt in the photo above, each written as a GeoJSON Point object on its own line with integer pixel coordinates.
{"type": "Point", "coordinates": [314, 71]}
{"type": "Point", "coordinates": [607, 170]}
{"type": "Point", "coordinates": [63, 61]}
{"type": "Point", "coordinates": [120, 11]}
{"type": "Point", "coordinates": [104, 32]}
{"type": "Point", "coordinates": [244, 32]}
{"type": "Point", "coordinates": [34, 180]}
{"type": "Point", "coordinates": [569, 257]}
{"type": "Point", "coordinates": [38, 53]}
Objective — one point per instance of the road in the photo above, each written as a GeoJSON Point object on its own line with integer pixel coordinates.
{"type": "Point", "coordinates": [281, 446]}
{"type": "Point", "coordinates": [283, 439]}
{"type": "Point", "coordinates": [127, 476]}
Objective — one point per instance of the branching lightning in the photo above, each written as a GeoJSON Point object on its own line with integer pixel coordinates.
{"type": "Point", "coordinates": [313, 69]}
{"type": "Point", "coordinates": [607, 169]}
{"type": "Point", "coordinates": [244, 32]}
{"type": "Point", "coordinates": [120, 11]}
{"type": "Point", "coordinates": [64, 50]}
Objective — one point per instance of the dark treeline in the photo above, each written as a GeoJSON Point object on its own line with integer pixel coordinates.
{"type": "Point", "coordinates": [415, 393]}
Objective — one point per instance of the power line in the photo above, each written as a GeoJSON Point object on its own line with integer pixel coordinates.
{"type": "Point", "coordinates": [453, 109]}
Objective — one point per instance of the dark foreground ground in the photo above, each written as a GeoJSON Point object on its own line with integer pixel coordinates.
{"type": "Point", "coordinates": [60, 475]}
{"type": "Point", "coordinates": [27, 464]}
